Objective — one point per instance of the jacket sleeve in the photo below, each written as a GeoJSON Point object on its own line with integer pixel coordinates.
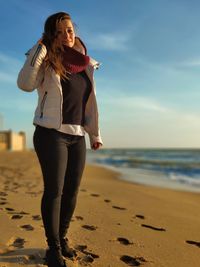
{"type": "Point", "coordinates": [94, 139]}
{"type": "Point", "coordinates": [32, 73]}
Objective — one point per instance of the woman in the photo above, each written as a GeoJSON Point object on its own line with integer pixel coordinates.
{"type": "Point", "coordinates": [59, 68]}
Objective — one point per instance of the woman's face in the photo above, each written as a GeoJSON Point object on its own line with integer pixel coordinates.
{"type": "Point", "coordinates": [65, 33]}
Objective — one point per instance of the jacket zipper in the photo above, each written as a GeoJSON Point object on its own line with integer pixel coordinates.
{"type": "Point", "coordinates": [35, 55]}
{"type": "Point", "coordinates": [42, 104]}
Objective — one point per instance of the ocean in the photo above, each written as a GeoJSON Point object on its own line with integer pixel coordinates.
{"type": "Point", "coordinates": [171, 168]}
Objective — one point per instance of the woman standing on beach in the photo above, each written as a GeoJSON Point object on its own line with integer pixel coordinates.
{"type": "Point", "coordinates": [58, 66]}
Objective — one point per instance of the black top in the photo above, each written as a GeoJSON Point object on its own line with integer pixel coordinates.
{"type": "Point", "coordinates": [76, 91]}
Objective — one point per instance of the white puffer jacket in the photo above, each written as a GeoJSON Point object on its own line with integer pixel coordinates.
{"type": "Point", "coordinates": [48, 113]}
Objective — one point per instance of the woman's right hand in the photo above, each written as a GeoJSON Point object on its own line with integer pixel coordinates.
{"type": "Point", "coordinates": [96, 145]}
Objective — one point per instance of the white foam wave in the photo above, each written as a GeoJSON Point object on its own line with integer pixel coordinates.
{"type": "Point", "coordinates": [185, 179]}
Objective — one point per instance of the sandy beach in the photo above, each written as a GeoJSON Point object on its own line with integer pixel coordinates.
{"type": "Point", "coordinates": [116, 223]}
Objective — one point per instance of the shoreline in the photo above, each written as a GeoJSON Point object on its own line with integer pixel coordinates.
{"type": "Point", "coordinates": [168, 168]}
{"type": "Point", "coordinates": [116, 222]}
{"type": "Point", "coordinates": [147, 178]}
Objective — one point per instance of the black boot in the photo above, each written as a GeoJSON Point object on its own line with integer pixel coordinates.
{"type": "Point", "coordinates": [66, 250]}
{"type": "Point", "coordinates": [54, 258]}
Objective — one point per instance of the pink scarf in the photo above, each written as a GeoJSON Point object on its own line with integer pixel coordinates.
{"type": "Point", "coordinates": [74, 61]}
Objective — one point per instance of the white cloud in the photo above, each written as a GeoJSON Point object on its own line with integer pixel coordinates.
{"type": "Point", "coordinates": [187, 118]}
{"type": "Point", "coordinates": [191, 63]}
{"type": "Point", "coordinates": [145, 122]}
{"type": "Point", "coordinates": [136, 102]}
{"type": "Point", "coordinates": [146, 104]}
{"type": "Point", "coordinates": [147, 110]}
{"type": "Point", "coordinates": [109, 41]}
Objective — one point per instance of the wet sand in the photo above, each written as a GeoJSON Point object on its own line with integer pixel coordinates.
{"type": "Point", "coordinates": [115, 224]}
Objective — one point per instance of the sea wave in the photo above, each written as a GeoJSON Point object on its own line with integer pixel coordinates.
{"type": "Point", "coordinates": [180, 166]}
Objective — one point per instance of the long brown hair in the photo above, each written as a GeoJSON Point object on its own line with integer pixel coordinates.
{"type": "Point", "coordinates": [49, 39]}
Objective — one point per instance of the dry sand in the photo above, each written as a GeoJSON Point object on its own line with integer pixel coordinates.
{"type": "Point", "coordinates": [115, 224]}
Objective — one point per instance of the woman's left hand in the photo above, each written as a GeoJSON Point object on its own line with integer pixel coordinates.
{"type": "Point", "coordinates": [96, 145]}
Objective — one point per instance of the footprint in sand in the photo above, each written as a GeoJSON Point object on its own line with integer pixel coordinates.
{"type": "Point", "coordinates": [79, 218]}
{"type": "Point", "coordinates": [130, 261]}
{"type": "Point", "coordinates": [88, 253]}
{"type": "Point", "coordinates": [89, 227]}
{"type": "Point", "coordinates": [3, 203]}
{"type": "Point", "coordinates": [107, 200]}
{"type": "Point", "coordinates": [139, 216]}
{"type": "Point", "coordinates": [80, 248]}
{"type": "Point", "coordinates": [24, 213]}
{"type": "Point", "coordinates": [3, 194]}
{"type": "Point", "coordinates": [89, 257]}
{"type": "Point", "coordinates": [94, 195]}
{"type": "Point", "coordinates": [119, 208]}
{"type": "Point", "coordinates": [16, 242]}
{"type": "Point", "coordinates": [9, 209]}
{"type": "Point", "coordinates": [16, 217]}
{"type": "Point", "coordinates": [3, 198]}
{"type": "Point", "coordinates": [153, 228]}
{"type": "Point", "coordinates": [195, 243]}
{"type": "Point", "coordinates": [83, 190]}
{"type": "Point", "coordinates": [124, 241]}
{"type": "Point", "coordinates": [12, 211]}
{"type": "Point", "coordinates": [37, 217]}
{"type": "Point", "coordinates": [85, 259]}
{"type": "Point", "coordinates": [27, 227]}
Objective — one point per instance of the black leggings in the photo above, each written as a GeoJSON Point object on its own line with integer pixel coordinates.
{"type": "Point", "coordinates": [62, 160]}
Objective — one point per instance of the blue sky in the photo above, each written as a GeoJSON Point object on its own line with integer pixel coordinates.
{"type": "Point", "coordinates": [148, 86]}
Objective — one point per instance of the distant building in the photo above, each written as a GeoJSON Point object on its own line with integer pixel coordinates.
{"type": "Point", "coordinates": [12, 141]}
